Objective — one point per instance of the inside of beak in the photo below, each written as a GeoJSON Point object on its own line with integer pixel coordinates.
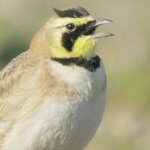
{"type": "Point", "coordinates": [99, 22]}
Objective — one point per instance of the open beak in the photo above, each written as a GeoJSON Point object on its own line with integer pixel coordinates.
{"type": "Point", "coordinates": [99, 22]}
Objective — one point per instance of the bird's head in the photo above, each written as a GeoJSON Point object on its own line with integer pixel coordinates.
{"type": "Point", "coordinates": [70, 33]}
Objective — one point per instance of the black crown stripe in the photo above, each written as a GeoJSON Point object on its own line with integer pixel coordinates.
{"type": "Point", "coordinates": [77, 12]}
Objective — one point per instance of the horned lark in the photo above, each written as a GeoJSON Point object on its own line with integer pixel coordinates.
{"type": "Point", "coordinates": [52, 96]}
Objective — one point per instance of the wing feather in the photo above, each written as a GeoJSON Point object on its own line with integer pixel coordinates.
{"type": "Point", "coordinates": [9, 78]}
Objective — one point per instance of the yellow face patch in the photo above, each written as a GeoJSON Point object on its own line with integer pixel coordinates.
{"type": "Point", "coordinates": [82, 46]}
{"type": "Point", "coordinates": [80, 21]}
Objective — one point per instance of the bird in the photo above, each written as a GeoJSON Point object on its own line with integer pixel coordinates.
{"type": "Point", "coordinates": [53, 95]}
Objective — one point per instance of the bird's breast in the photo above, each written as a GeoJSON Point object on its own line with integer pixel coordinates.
{"type": "Point", "coordinates": [65, 121]}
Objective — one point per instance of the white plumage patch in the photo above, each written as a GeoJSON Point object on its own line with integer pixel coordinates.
{"type": "Point", "coordinates": [67, 122]}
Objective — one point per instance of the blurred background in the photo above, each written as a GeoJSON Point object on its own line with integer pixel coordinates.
{"type": "Point", "coordinates": [126, 122]}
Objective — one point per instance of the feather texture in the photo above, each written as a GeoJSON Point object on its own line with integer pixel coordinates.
{"type": "Point", "coordinates": [48, 105]}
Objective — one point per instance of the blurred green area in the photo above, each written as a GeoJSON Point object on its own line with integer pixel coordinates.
{"type": "Point", "coordinates": [126, 57]}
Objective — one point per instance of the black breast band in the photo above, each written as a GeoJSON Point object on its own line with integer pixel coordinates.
{"type": "Point", "coordinates": [91, 64]}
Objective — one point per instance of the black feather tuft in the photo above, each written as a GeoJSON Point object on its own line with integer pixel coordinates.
{"type": "Point", "coordinates": [77, 12]}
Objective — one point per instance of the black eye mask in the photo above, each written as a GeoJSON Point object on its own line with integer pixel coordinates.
{"type": "Point", "coordinates": [68, 39]}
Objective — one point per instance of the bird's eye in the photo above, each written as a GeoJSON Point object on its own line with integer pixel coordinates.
{"type": "Point", "coordinates": [71, 26]}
